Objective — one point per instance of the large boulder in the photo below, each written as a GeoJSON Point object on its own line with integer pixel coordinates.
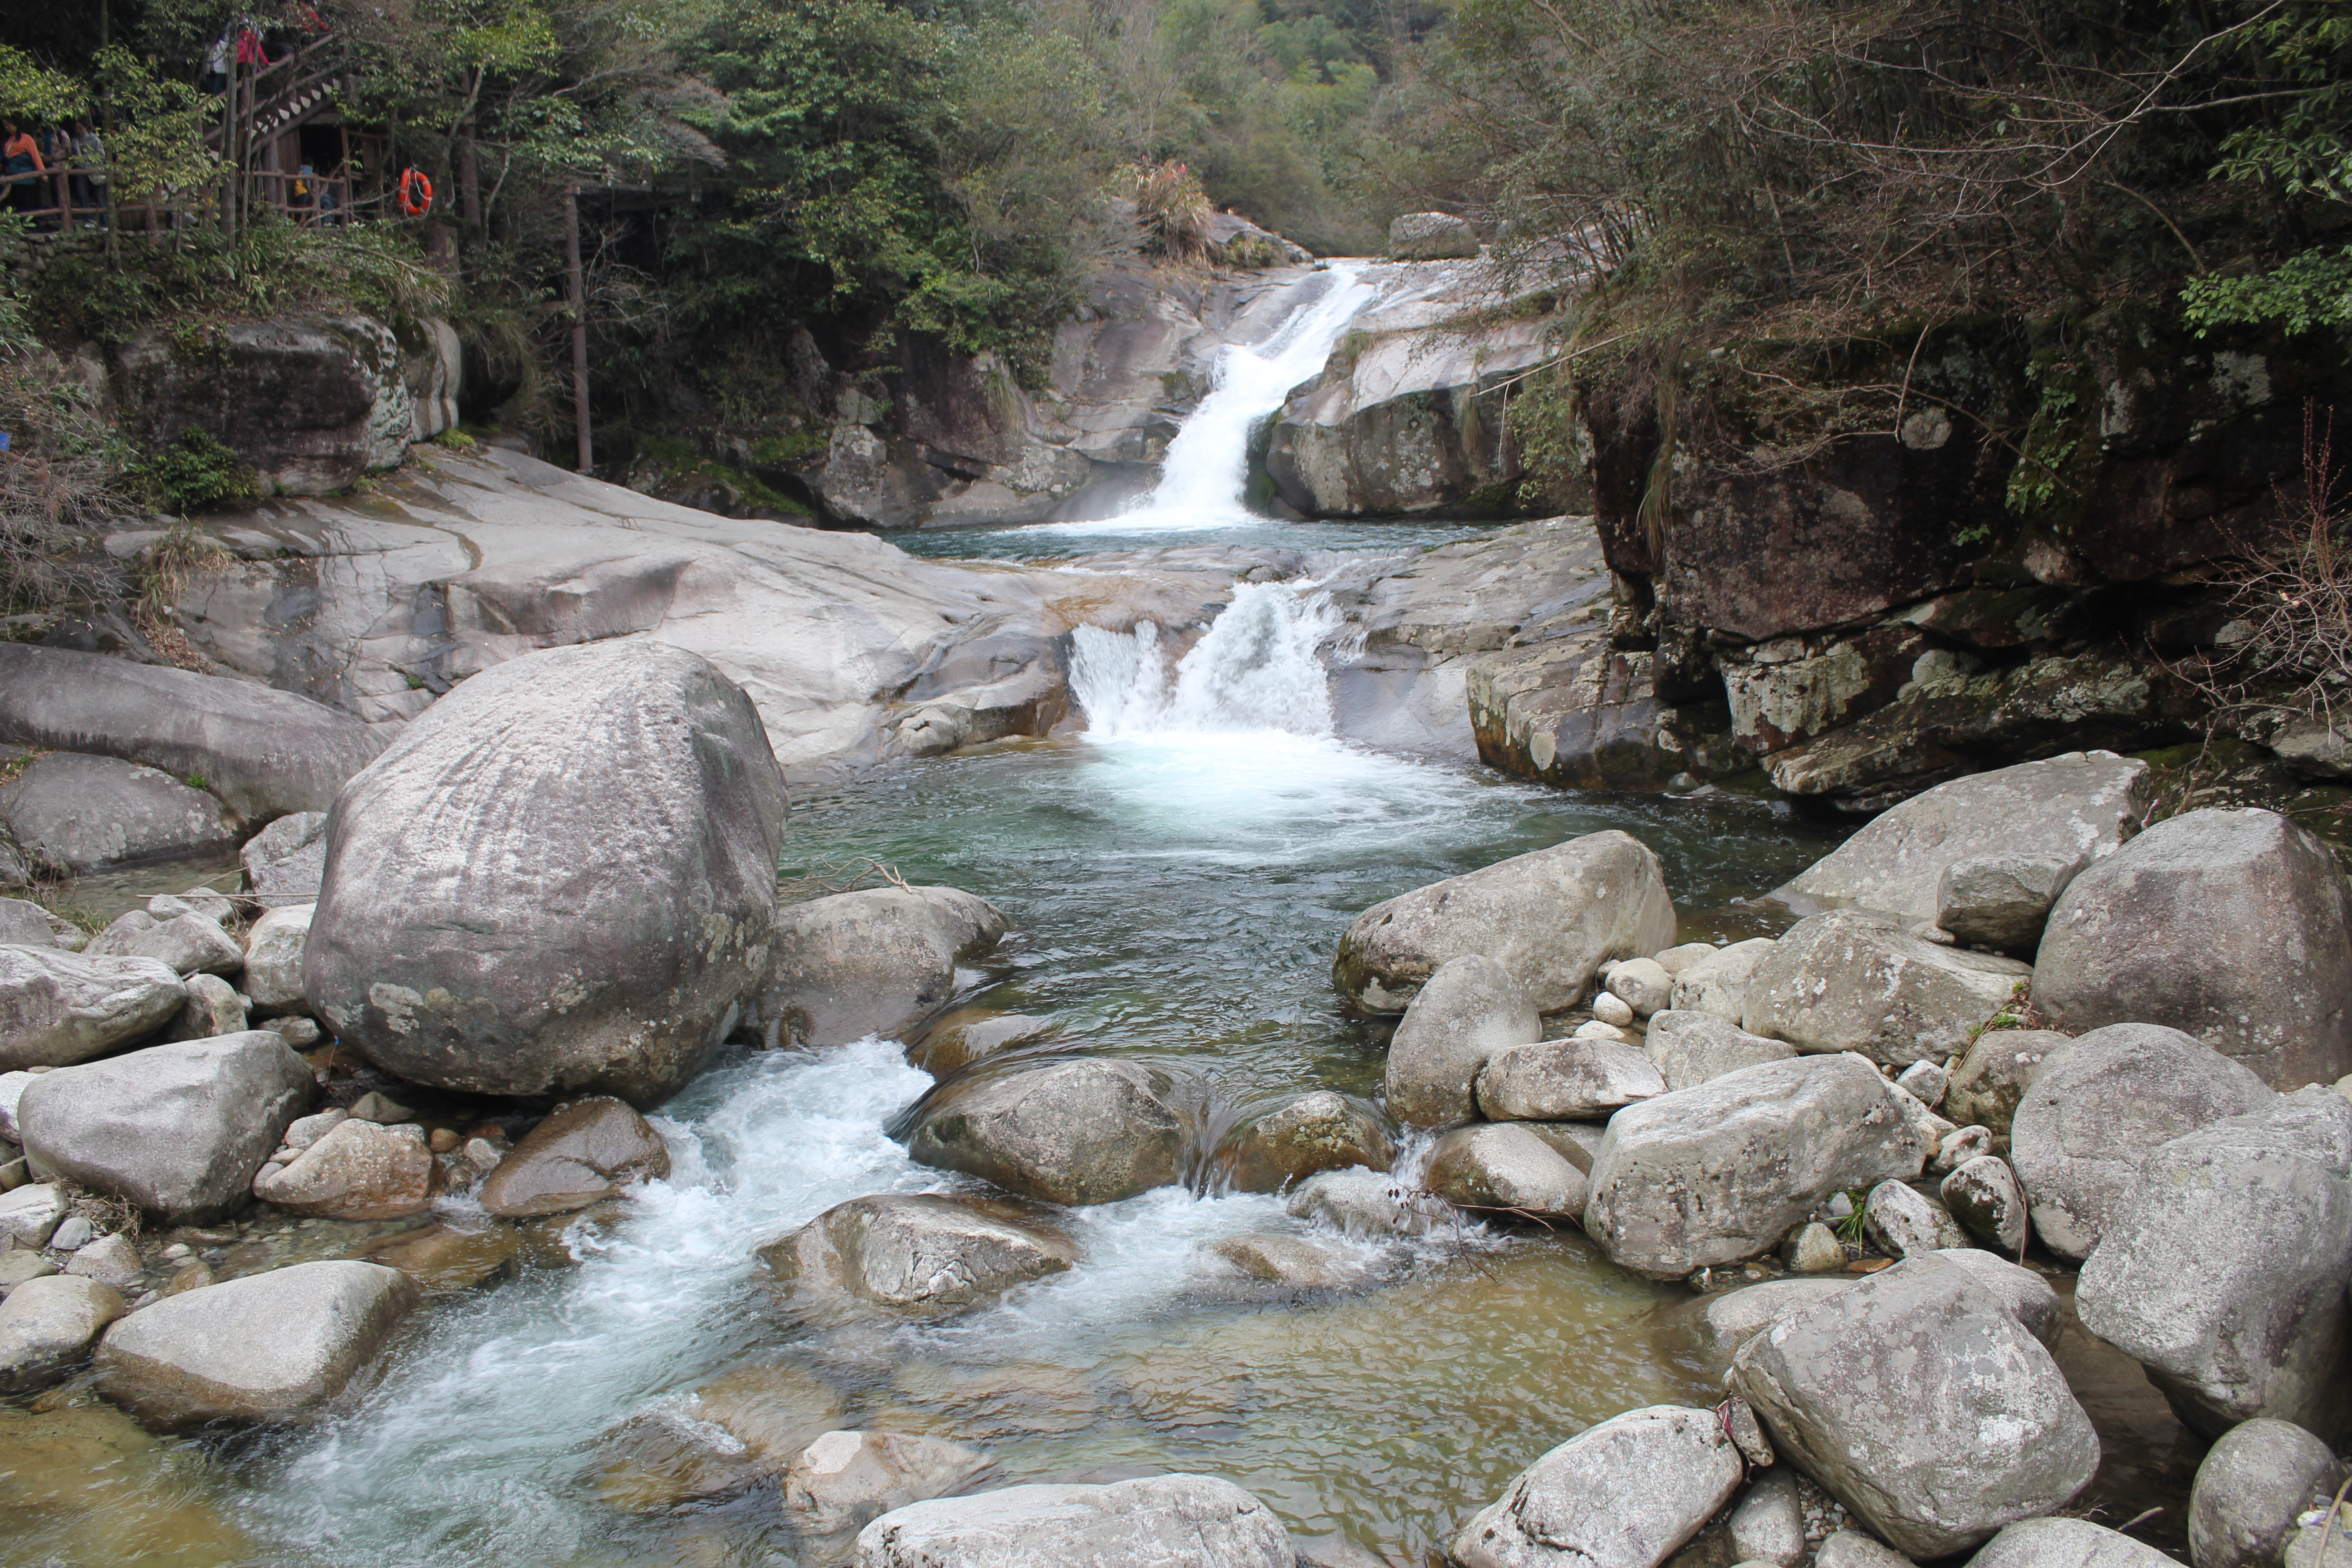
{"type": "Point", "coordinates": [285, 861]}
{"type": "Point", "coordinates": [875, 962]}
{"type": "Point", "coordinates": [48, 1324]}
{"type": "Point", "coordinates": [1624, 1494]}
{"type": "Point", "coordinates": [2233, 925]}
{"type": "Point", "coordinates": [1505, 1168]}
{"type": "Point", "coordinates": [2224, 1271]}
{"type": "Point", "coordinates": [2252, 1488]}
{"type": "Point", "coordinates": [1866, 1389]}
{"type": "Point", "coordinates": [1690, 1047]}
{"type": "Point", "coordinates": [59, 1007]}
{"type": "Point", "coordinates": [75, 815]}
{"type": "Point", "coordinates": [1076, 1131]}
{"type": "Point", "coordinates": [1471, 1008]}
{"type": "Point", "coordinates": [264, 752]}
{"type": "Point", "coordinates": [1852, 981]}
{"type": "Point", "coordinates": [1318, 1131]}
{"type": "Point", "coordinates": [1722, 1172]}
{"type": "Point", "coordinates": [1565, 1081]}
{"type": "Point", "coordinates": [589, 1150]}
{"type": "Point", "coordinates": [2065, 1543]}
{"type": "Point", "coordinates": [1167, 1521]}
{"type": "Point", "coordinates": [178, 1130]}
{"type": "Point", "coordinates": [920, 1255]}
{"type": "Point", "coordinates": [265, 1347]}
{"type": "Point", "coordinates": [2094, 1115]}
{"type": "Point", "coordinates": [560, 879]}
{"type": "Point", "coordinates": [2080, 807]}
{"type": "Point", "coordinates": [1548, 918]}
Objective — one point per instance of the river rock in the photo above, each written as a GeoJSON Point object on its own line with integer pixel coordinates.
{"type": "Point", "coordinates": [1078, 1131]}
{"type": "Point", "coordinates": [1717, 986]}
{"type": "Point", "coordinates": [356, 1170]}
{"type": "Point", "coordinates": [2028, 1295]}
{"type": "Point", "coordinates": [1565, 1081]}
{"type": "Point", "coordinates": [1642, 983]}
{"type": "Point", "coordinates": [12, 1089]}
{"type": "Point", "coordinates": [1768, 1525]}
{"type": "Point", "coordinates": [2001, 901]}
{"type": "Point", "coordinates": [1983, 1194]}
{"type": "Point", "coordinates": [213, 1008]}
{"type": "Point", "coordinates": [1548, 918]}
{"type": "Point", "coordinates": [1613, 1010]}
{"type": "Point", "coordinates": [30, 1213]}
{"type": "Point", "coordinates": [2080, 807]}
{"type": "Point", "coordinates": [178, 1130]}
{"type": "Point", "coordinates": [1319, 1132]}
{"type": "Point", "coordinates": [1691, 1048]}
{"type": "Point", "coordinates": [1289, 1260]}
{"type": "Point", "coordinates": [1864, 1388]}
{"type": "Point", "coordinates": [285, 862]}
{"type": "Point", "coordinates": [1992, 1076]}
{"type": "Point", "coordinates": [559, 879]}
{"type": "Point", "coordinates": [273, 960]}
{"type": "Point", "coordinates": [972, 1034]}
{"type": "Point", "coordinates": [78, 815]}
{"type": "Point", "coordinates": [265, 1347]}
{"type": "Point", "coordinates": [717, 1438]}
{"type": "Point", "coordinates": [589, 1150]}
{"type": "Point", "coordinates": [263, 750]}
{"type": "Point", "coordinates": [1470, 1009]}
{"type": "Point", "coordinates": [1903, 1221]}
{"type": "Point", "coordinates": [2254, 1485]}
{"type": "Point", "coordinates": [190, 943]}
{"type": "Point", "coordinates": [1722, 1172]}
{"type": "Point", "coordinates": [2223, 1271]}
{"type": "Point", "coordinates": [1506, 1167]}
{"type": "Point", "coordinates": [1813, 1248]}
{"type": "Point", "coordinates": [1853, 1549]}
{"type": "Point", "coordinates": [1852, 981]}
{"type": "Point", "coordinates": [918, 1255]}
{"type": "Point", "coordinates": [2064, 1542]}
{"type": "Point", "coordinates": [1730, 1319]}
{"type": "Point", "coordinates": [59, 1007]}
{"type": "Point", "coordinates": [1623, 1494]}
{"type": "Point", "coordinates": [24, 924]}
{"type": "Point", "coordinates": [111, 1260]}
{"type": "Point", "coordinates": [1357, 1202]}
{"type": "Point", "coordinates": [1167, 1521]}
{"type": "Point", "coordinates": [2233, 925]}
{"type": "Point", "coordinates": [843, 1480]}
{"type": "Point", "coordinates": [1431, 237]}
{"type": "Point", "coordinates": [878, 961]}
{"type": "Point", "coordinates": [2088, 1124]}
{"type": "Point", "coordinates": [47, 1324]}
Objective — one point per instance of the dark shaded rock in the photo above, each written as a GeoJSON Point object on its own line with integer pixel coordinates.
{"type": "Point", "coordinates": [1081, 1131]}
{"type": "Point", "coordinates": [1431, 237]}
{"type": "Point", "coordinates": [265, 753]}
{"type": "Point", "coordinates": [1579, 714]}
{"type": "Point", "coordinates": [970, 1035]}
{"type": "Point", "coordinates": [589, 1150]}
{"type": "Point", "coordinates": [1319, 1132]}
{"type": "Point", "coordinates": [75, 814]}
{"type": "Point", "coordinates": [560, 879]}
{"type": "Point", "coordinates": [1791, 689]}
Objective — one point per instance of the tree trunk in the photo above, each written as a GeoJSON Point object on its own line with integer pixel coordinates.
{"type": "Point", "coordinates": [469, 180]}
{"type": "Point", "coordinates": [579, 293]}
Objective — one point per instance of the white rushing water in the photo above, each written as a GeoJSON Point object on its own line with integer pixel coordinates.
{"type": "Point", "coordinates": [1259, 667]}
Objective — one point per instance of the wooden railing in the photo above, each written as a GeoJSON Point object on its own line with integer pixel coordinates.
{"type": "Point", "coordinates": [304, 199]}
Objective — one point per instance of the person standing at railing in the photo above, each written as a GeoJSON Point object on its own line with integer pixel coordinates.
{"type": "Point", "coordinates": [20, 163]}
{"type": "Point", "coordinates": [90, 172]}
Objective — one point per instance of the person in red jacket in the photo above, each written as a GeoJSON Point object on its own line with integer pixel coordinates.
{"type": "Point", "coordinates": [20, 160]}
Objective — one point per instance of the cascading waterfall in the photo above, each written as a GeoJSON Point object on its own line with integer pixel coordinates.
{"type": "Point", "coordinates": [1258, 667]}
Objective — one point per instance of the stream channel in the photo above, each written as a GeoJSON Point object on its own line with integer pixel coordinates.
{"type": "Point", "coordinates": [1177, 875]}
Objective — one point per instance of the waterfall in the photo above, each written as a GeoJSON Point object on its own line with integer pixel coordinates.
{"type": "Point", "coordinates": [1206, 468]}
{"type": "Point", "coordinates": [1258, 667]}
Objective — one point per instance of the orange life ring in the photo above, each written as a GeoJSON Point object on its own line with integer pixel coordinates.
{"type": "Point", "coordinates": [415, 193]}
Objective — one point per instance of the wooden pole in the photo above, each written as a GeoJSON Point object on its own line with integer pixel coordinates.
{"type": "Point", "coordinates": [579, 293]}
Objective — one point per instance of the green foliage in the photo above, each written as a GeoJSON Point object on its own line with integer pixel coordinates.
{"type": "Point", "coordinates": [1171, 207]}
{"type": "Point", "coordinates": [31, 91]}
{"type": "Point", "coordinates": [195, 473]}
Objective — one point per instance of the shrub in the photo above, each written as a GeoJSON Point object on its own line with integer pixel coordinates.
{"type": "Point", "coordinates": [1173, 207]}
{"type": "Point", "coordinates": [195, 473]}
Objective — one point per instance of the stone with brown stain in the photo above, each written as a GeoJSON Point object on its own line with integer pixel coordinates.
{"type": "Point", "coordinates": [589, 1150]}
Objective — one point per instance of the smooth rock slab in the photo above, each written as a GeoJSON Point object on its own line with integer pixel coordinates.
{"type": "Point", "coordinates": [560, 879]}
{"type": "Point", "coordinates": [1506, 1167]}
{"type": "Point", "coordinates": [1167, 1522]}
{"type": "Point", "coordinates": [1077, 1132]}
{"type": "Point", "coordinates": [2254, 1485]}
{"type": "Point", "coordinates": [1690, 1047]}
{"type": "Point", "coordinates": [2081, 806]}
{"type": "Point", "coordinates": [918, 1255]}
{"type": "Point", "coordinates": [79, 813]}
{"type": "Point", "coordinates": [589, 1150]}
{"type": "Point", "coordinates": [1470, 1010]}
{"type": "Point", "coordinates": [178, 1130]}
{"type": "Point", "coordinates": [48, 1324]}
{"type": "Point", "coordinates": [878, 961]}
{"type": "Point", "coordinates": [2065, 1543]}
{"type": "Point", "coordinates": [1548, 918]}
{"type": "Point", "coordinates": [59, 1007]}
{"type": "Point", "coordinates": [2092, 1117]}
{"type": "Point", "coordinates": [265, 1347]}
{"type": "Point", "coordinates": [2233, 925]}
{"type": "Point", "coordinates": [1565, 1081]}
{"type": "Point", "coordinates": [1623, 1494]}
{"type": "Point", "coordinates": [1851, 981]}
{"type": "Point", "coordinates": [1722, 1172]}
{"type": "Point", "coordinates": [1868, 1390]}
{"type": "Point", "coordinates": [2224, 1272]}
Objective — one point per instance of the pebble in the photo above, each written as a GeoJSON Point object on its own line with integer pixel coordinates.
{"type": "Point", "coordinates": [1841, 1207]}
{"type": "Point", "coordinates": [1815, 1249]}
{"type": "Point", "coordinates": [441, 1140]}
{"type": "Point", "coordinates": [1611, 1008]}
{"type": "Point", "coordinates": [483, 1155]}
{"type": "Point", "coordinates": [1594, 1030]}
{"type": "Point", "coordinates": [73, 1233]}
{"type": "Point", "coordinates": [300, 1033]}
{"type": "Point", "coordinates": [191, 1276]}
{"type": "Point", "coordinates": [20, 1264]}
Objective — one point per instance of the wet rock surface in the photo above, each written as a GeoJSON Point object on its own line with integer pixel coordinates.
{"type": "Point", "coordinates": [878, 961]}
{"type": "Point", "coordinates": [588, 1151]}
{"type": "Point", "coordinates": [1083, 1131]}
{"type": "Point", "coordinates": [921, 1256]}
{"type": "Point", "coordinates": [1319, 1132]}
